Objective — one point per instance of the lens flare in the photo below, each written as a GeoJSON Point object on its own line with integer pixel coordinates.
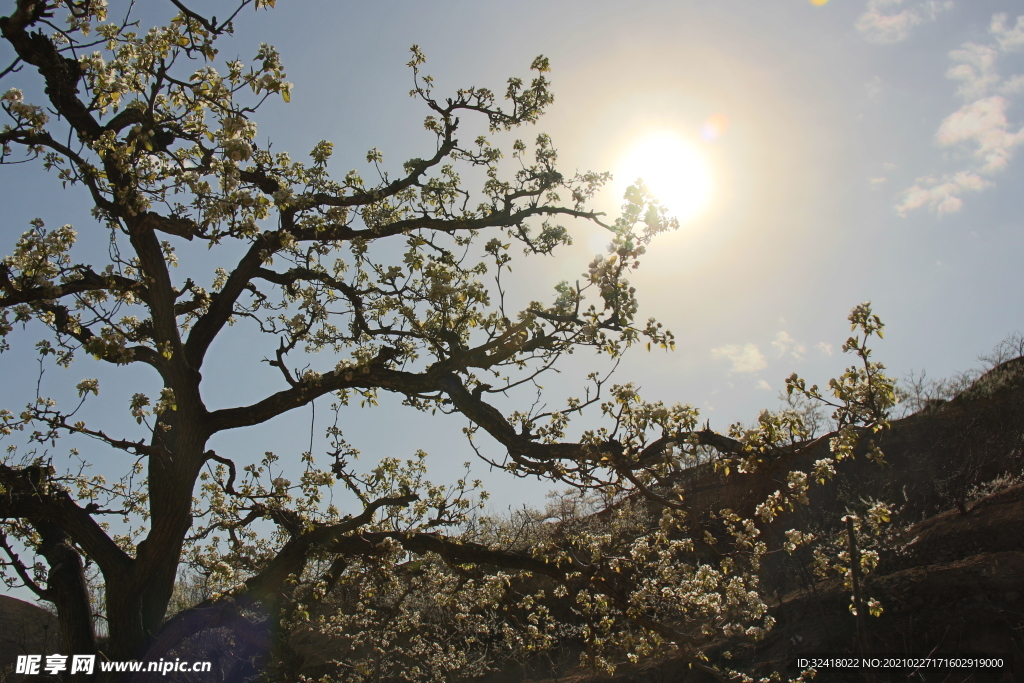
{"type": "Point", "coordinates": [819, 3]}
{"type": "Point", "coordinates": [714, 127]}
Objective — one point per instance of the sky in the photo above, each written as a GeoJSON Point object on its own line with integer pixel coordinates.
{"type": "Point", "coordinates": [820, 154]}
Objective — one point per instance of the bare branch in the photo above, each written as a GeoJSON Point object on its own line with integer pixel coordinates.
{"type": "Point", "coordinates": [21, 570]}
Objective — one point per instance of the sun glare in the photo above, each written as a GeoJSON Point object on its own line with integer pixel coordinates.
{"type": "Point", "coordinates": [676, 172]}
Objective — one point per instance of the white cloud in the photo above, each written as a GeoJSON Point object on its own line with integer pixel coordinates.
{"type": "Point", "coordinates": [875, 182]}
{"type": "Point", "coordinates": [746, 358]}
{"type": "Point", "coordinates": [784, 344]}
{"type": "Point", "coordinates": [975, 67]}
{"type": "Point", "coordinates": [982, 125]}
{"type": "Point", "coordinates": [942, 195]}
{"type": "Point", "coordinates": [1014, 85]}
{"type": "Point", "coordinates": [890, 21]}
{"type": "Point", "coordinates": [1009, 39]}
{"type": "Point", "coordinates": [979, 131]}
{"type": "Point", "coordinates": [826, 349]}
{"type": "Point", "coordinates": [761, 384]}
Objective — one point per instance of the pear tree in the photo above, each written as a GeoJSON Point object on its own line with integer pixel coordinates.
{"type": "Point", "coordinates": [354, 288]}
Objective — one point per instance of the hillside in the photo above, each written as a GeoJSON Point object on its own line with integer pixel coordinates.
{"type": "Point", "coordinates": [954, 582]}
{"type": "Point", "coordinates": [24, 630]}
{"type": "Point", "coordinates": [955, 586]}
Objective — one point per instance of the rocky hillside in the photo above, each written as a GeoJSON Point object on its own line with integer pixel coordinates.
{"type": "Point", "coordinates": [955, 586]}
{"type": "Point", "coordinates": [953, 580]}
{"type": "Point", "coordinates": [24, 629]}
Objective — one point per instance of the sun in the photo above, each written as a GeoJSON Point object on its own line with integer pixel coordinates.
{"type": "Point", "coordinates": [675, 171]}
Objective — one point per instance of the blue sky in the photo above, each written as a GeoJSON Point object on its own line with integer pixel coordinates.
{"type": "Point", "coordinates": [855, 150]}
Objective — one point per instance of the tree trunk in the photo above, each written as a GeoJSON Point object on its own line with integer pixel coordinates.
{"type": "Point", "coordinates": [68, 591]}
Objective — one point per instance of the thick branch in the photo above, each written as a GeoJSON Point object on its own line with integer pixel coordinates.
{"type": "Point", "coordinates": [63, 323]}
{"type": "Point", "coordinates": [60, 73]}
{"type": "Point", "coordinates": [367, 377]}
{"type": "Point", "coordinates": [291, 559]}
{"type": "Point", "coordinates": [222, 303]}
{"type": "Point", "coordinates": [30, 495]}
{"type": "Point", "coordinates": [520, 446]}
{"type": "Point", "coordinates": [87, 281]}
{"type": "Point", "coordinates": [22, 570]}
{"type": "Point", "coordinates": [504, 218]}
{"type": "Point", "coordinates": [87, 173]}
{"type": "Point", "coordinates": [142, 233]}
{"type": "Point", "coordinates": [67, 588]}
{"type": "Point", "coordinates": [453, 552]}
